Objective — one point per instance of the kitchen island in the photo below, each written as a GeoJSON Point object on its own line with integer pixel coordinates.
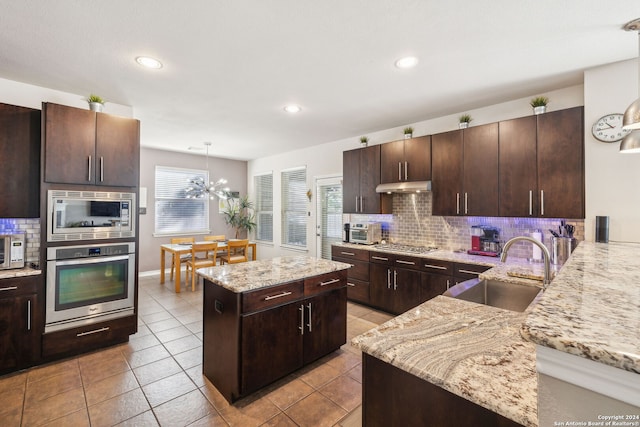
{"type": "Point", "coordinates": [264, 319]}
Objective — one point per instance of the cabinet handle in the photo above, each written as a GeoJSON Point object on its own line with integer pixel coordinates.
{"type": "Point", "coordinates": [9, 288]}
{"type": "Point", "coordinates": [399, 261]}
{"type": "Point", "coordinates": [361, 204]}
{"type": "Point", "coordinates": [530, 202]}
{"type": "Point", "coordinates": [406, 171]}
{"type": "Point", "coordinates": [448, 284]}
{"type": "Point", "coordinates": [542, 202]}
{"type": "Point", "coordinates": [95, 331]}
{"type": "Point", "coordinates": [457, 203]}
{"type": "Point", "coordinates": [399, 171]}
{"type": "Point", "coordinates": [351, 284]}
{"type": "Point", "coordinates": [438, 267]}
{"type": "Point", "coordinates": [469, 272]}
{"type": "Point", "coordinates": [301, 327]}
{"type": "Point", "coordinates": [28, 315]}
{"type": "Point", "coordinates": [395, 280]}
{"type": "Point", "coordinates": [101, 169]}
{"type": "Point", "coordinates": [466, 200]}
{"type": "Point", "coordinates": [379, 258]}
{"type": "Point", "coordinates": [89, 163]}
{"type": "Point", "coordinates": [283, 294]}
{"type": "Point", "coordinates": [388, 279]}
{"type": "Point", "coordinates": [309, 324]}
{"type": "Point", "coordinates": [348, 253]}
{"type": "Point", "coordinates": [330, 282]}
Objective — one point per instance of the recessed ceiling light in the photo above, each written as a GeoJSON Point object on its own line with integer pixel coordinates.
{"type": "Point", "coordinates": [148, 62]}
{"type": "Point", "coordinates": [292, 108]}
{"type": "Point", "coordinates": [407, 62]}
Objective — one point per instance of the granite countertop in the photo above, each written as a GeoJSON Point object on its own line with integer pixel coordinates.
{"type": "Point", "coordinates": [471, 350]}
{"type": "Point", "coordinates": [592, 307]}
{"type": "Point", "coordinates": [19, 272]}
{"type": "Point", "coordinates": [248, 276]}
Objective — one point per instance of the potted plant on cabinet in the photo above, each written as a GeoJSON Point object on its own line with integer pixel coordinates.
{"type": "Point", "coordinates": [408, 132]}
{"type": "Point", "coordinates": [364, 141]}
{"type": "Point", "coordinates": [96, 103]}
{"type": "Point", "coordinates": [464, 121]}
{"type": "Point", "coordinates": [239, 214]}
{"type": "Point", "coordinates": [539, 104]}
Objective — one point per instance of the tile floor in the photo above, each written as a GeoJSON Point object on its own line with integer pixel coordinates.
{"type": "Point", "coordinates": [156, 378]}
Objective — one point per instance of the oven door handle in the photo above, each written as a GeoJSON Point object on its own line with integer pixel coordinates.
{"type": "Point", "coordinates": [92, 260]}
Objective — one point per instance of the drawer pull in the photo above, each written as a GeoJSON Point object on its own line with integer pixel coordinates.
{"type": "Point", "coordinates": [330, 282]}
{"type": "Point", "coordinates": [469, 272]}
{"type": "Point", "coordinates": [350, 284]}
{"type": "Point", "coordinates": [348, 253]}
{"type": "Point", "coordinates": [399, 261]}
{"type": "Point", "coordinates": [95, 331]}
{"type": "Point", "coordinates": [379, 258]}
{"type": "Point", "coordinates": [9, 288]}
{"type": "Point", "coordinates": [437, 267]}
{"type": "Point", "coordinates": [283, 294]}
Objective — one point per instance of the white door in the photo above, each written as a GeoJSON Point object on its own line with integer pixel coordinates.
{"type": "Point", "coordinates": [328, 214]}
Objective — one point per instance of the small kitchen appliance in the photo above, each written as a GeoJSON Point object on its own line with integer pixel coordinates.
{"type": "Point", "coordinates": [365, 233]}
{"type": "Point", "coordinates": [11, 251]}
{"type": "Point", "coordinates": [485, 241]}
{"type": "Point", "coordinates": [345, 233]}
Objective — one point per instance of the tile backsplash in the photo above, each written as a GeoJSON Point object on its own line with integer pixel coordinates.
{"type": "Point", "coordinates": [412, 223]}
{"type": "Point", "coordinates": [31, 228]}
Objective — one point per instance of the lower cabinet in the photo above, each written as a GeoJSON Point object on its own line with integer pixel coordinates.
{"type": "Point", "coordinates": [252, 339]}
{"type": "Point", "coordinates": [394, 289]}
{"type": "Point", "coordinates": [358, 274]}
{"type": "Point", "coordinates": [19, 323]}
{"type": "Point", "coordinates": [388, 392]}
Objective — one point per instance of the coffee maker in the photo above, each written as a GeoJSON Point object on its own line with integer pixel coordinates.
{"type": "Point", "coordinates": [485, 241]}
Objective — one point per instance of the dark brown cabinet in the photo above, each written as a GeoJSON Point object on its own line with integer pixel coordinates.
{"type": "Point", "coordinates": [406, 160]}
{"type": "Point", "coordinates": [358, 274]}
{"type": "Point", "coordinates": [361, 176]}
{"type": "Point", "coordinates": [446, 172]}
{"type": "Point", "coordinates": [19, 162]}
{"type": "Point", "coordinates": [395, 282]}
{"type": "Point", "coordinates": [437, 277]}
{"type": "Point", "coordinates": [20, 323]}
{"type": "Point", "coordinates": [297, 322]}
{"type": "Point", "coordinates": [85, 147]}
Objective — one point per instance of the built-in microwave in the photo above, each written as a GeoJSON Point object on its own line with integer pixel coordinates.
{"type": "Point", "coordinates": [90, 215]}
{"type": "Point", "coordinates": [11, 251]}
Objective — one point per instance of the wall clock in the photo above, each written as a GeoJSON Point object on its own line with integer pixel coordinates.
{"type": "Point", "coordinates": [608, 128]}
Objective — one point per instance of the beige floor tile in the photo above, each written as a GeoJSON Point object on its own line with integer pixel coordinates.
{"type": "Point", "coordinates": [78, 418]}
{"type": "Point", "coordinates": [155, 371]}
{"type": "Point", "coordinates": [315, 410]}
{"type": "Point", "coordinates": [110, 387]}
{"type": "Point", "coordinates": [289, 391]}
{"type": "Point", "coordinates": [345, 391]}
{"type": "Point", "coordinates": [54, 407]}
{"type": "Point", "coordinates": [342, 360]}
{"type": "Point", "coordinates": [196, 375]}
{"type": "Point", "coordinates": [145, 419]}
{"type": "Point", "coordinates": [50, 386]}
{"type": "Point", "coordinates": [51, 370]}
{"type": "Point", "coordinates": [98, 368]}
{"type": "Point", "coordinates": [189, 359]}
{"type": "Point", "coordinates": [163, 325]}
{"type": "Point", "coordinates": [173, 334]}
{"type": "Point", "coordinates": [184, 410]}
{"type": "Point", "coordinates": [183, 344]}
{"type": "Point", "coordinates": [317, 375]}
{"type": "Point", "coordinates": [280, 420]}
{"type": "Point", "coordinates": [118, 408]}
{"type": "Point", "coordinates": [168, 388]}
{"type": "Point", "coordinates": [146, 356]}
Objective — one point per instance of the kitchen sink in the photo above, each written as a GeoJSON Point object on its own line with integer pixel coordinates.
{"type": "Point", "coordinates": [509, 296]}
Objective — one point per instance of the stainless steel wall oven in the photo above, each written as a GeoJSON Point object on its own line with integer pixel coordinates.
{"type": "Point", "coordinates": [89, 283]}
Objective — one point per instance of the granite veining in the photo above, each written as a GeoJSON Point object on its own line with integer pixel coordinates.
{"type": "Point", "coordinates": [19, 272]}
{"type": "Point", "coordinates": [471, 350]}
{"type": "Point", "coordinates": [253, 275]}
{"type": "Point", "coordinates": [592, 307]}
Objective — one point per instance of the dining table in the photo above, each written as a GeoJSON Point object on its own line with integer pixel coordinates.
{"type": "Point", "coordinates": [176, 250]}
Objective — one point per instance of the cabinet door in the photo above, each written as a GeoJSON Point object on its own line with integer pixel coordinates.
{"type": "Point", "coordinates": [392, 162]}
{"type": "Point", "coordinates": [434, 285]}
{"type": "Point", "coordinates": [350, 180]}
{"type": "Point", "coordinates": [380, 281]}
{"type": "Point", "coordinates": [18, 337]}
{"type": "Point", "coordinates": [480, 177]}
{"type": "Point", "coordinates": [417, 154]}
{"type": "Point", "coordinates": [446, 172]}
{"type": "Point", "coordinates": [561, 163]}
{"type": "Point", "coordinates": [20, 162]}
{"type": "Point", "coordinates": [406, 289]}
{"type": "Point", "coordinates": [117, 150]}
{"type": "Point", "coordinates": [277, 332]}
{"type": "Point", "coordinates": [369, 180]}
{"type": "Point", "coordinates": [517, 168]}
{"type": "Point", "coordinates": [325, 324]}
{"type": "Point", "coordinates": [69, 141]}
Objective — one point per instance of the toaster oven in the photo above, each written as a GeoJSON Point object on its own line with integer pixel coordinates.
{"type": "Point", "coordinates": [366, 233]}
{"type": "Point", "coordinates": [12, 251]}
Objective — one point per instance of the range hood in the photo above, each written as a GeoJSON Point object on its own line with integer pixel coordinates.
{"type": "Point", "coordinates": [404, 187]}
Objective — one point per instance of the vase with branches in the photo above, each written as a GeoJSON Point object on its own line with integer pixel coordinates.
{"type": "Point", "coordinates": [239, 214]}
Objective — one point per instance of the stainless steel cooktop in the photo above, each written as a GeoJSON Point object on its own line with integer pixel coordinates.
{"type": "Point", "coordinates": [395, 247]}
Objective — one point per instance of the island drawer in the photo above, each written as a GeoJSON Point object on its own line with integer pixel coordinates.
{"type": "Point", "coordinates": [325, 282]}
{"type": "Point", "coordinates": [437, 266]}
{"type": "Point", "coordinates": [358, 290]}
{"type": "Point", "coordinates": [272, 296]}
{"type": "Point", "coordinates": [349, 253]}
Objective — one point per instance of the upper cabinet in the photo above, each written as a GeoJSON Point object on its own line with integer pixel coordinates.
{"type": "Point", "coordinates": [19, 162]}
{"type": "Point", "coordinates": [406, 160]}
{"type": "Point", "coordinates": [361, 176]}
{"type": "Point", "coordinates": [85, 147]}
{"type": "Point", "coordinates": [465, 171]}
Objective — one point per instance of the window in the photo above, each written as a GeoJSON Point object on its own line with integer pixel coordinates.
{"type": "Point", "coordinates": [294, 207]}
{"type": "Point", "coordinates": [264, 206]}
{"type": "Point", "coordinates": [175, 214]}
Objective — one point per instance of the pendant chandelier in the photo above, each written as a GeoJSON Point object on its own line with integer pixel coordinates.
{"type": "Point", "coordinates": [199, 189]}
{"type": "Point", "coordinates": [631, 119]}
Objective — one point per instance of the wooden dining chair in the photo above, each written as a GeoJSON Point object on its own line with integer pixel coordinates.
{"type": "Point", "coordinates": [202, 255]}
{"type": "Point", "coordinates": [217, 238]}
{"type": "Point", "coordinates": [237, 251]}
{"type": "Point", "coordinates": [183, 258]}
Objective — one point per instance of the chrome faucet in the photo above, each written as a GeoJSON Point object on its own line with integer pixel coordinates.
{"type": "Point", "coordinates": [545, 255]}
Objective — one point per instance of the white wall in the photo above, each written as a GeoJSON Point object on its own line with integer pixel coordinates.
{"type": "Point", "coordinates": [612, 179]}
{"type": "Point", "coordinates": [326, 159]}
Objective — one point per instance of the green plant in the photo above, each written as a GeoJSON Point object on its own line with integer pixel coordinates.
{"type": "Point", "coordinates": [539, 101]}
{"type": "Point", "coordinates": [364, 139]}
{"type": "Point", "coordinates": [408, 130]}
{"type": "Point", "coordinates": [465, 118]}
{"type": "Point", "coordinates": [239, 214]}
{"type": "Point", "coordinates": [95, 98]}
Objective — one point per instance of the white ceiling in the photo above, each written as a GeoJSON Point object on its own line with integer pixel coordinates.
{"type": "Point", "coordinates": [231, 66]}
